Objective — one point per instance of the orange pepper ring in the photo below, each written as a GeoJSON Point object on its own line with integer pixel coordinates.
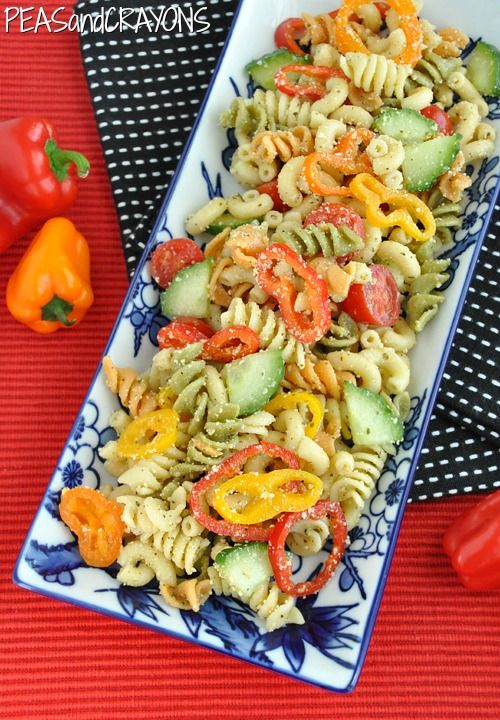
{"type": "Point", "coordinates": [311, 172]}
{"type": "Point", "coordinates": [348, 40]}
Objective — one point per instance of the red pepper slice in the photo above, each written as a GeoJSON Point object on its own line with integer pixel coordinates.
{"type": "Point", "coordinates": [440, 117]}
{"type": "Point", "coordinates": [271, 189]}
{"type": "Point", "coordinates": [376, 302]}
{"type": "Point", "coordinates": [313, 91]}
{"type": "Point", "coordinates": [338, 215]}
{"type": "Point", "coordinates": [303, 327]}
{"type": "Point", "coordinates": [383, 9]}
{"type": "Point", "coordinates": [171, 256]}
{"type": "Point", "coordinates": [473, 545]}
{"type": "Point", "coordinates": [183, 331]}
{"type": "Point", "coordinates": [288, 32]}
{"type": "Point", "coordinates": [282, 566]}
{"type": "Point", "coordinates": [228, 469]}
{"type": "Point", "coordinates": [231, 344]}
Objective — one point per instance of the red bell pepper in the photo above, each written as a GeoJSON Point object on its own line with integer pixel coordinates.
{"type": "Point", "coordinates": [473, 545]}
{"type": "Point", "coordinates": [306, 327]}
{"type": "Point", "coordinates": [231, 343]}
{"type": "Point", "coordinates": [228, 469]}
{"type": "Point", "coordinates": [313, 91]}
{"type": "Point", "coordinates": [282, 566]}
{"type": "Point", "coordinates": [37, 178]}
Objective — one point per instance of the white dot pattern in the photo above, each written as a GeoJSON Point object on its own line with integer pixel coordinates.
{"type": "Point", "coordinates": [146, 90]}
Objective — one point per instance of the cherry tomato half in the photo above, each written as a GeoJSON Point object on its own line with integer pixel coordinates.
{"type": "Point", "coordinates": [271, 189]}
{"type": "Point", "coordinates": [376, 302]}
{"type": "Point", "coordinates": [288, 32]}
{"type": "Point", "coordinates": [442, 120]}
{"type": "Point", "coordinates": [170, 257]}
{"type": "Point", "coordinates": [337, 215]}
{"type": "Point", "coordinates": [183, 331]}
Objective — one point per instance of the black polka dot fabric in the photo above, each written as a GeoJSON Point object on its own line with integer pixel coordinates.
{"type": "Point", "coordinates": [146, 89]}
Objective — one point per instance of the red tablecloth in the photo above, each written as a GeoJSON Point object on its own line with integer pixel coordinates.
{"type": "Point", "coordinates": [436, 647]}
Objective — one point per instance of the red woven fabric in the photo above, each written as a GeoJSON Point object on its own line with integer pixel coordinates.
{"type": "Point", "coordinates": [436, 647]}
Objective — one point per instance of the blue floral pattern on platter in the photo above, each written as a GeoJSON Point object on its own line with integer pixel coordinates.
{"type": "Point", "coordinates": [330, 647]}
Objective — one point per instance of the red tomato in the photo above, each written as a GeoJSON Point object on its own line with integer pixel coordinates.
{"type": "Point", "coordinates": [376, 302]}
{"type": "Point", "coordinates": [170, 257]}
{"type": "Point", "coordinates": [337, 215]}
{"type": "Point", "coordinates": [433, 112]}
{"type": "Point", "coordinates": [182, 332]}
{"type": "Point", "coordinates": [271, 189]}
{"type": "Point", "coordinates": [288, 32]}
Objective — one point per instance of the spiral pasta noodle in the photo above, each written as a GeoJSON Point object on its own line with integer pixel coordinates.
{"type": "Point", "coordinates": [132, 390]}
{"type": "Point", "coordinates": [376, 73]}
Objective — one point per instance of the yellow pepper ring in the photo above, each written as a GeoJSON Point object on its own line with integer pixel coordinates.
{"type": "Point", "coordinates": [265, 495]}
{"type": "Point", "coordinates": [409, 208]}
{"type": "Point", "coordinates": [136, 442]}
{"type": "Point", "coordinates": [165, 397]}
{"type": "Point", "coordinates": [286, 401]}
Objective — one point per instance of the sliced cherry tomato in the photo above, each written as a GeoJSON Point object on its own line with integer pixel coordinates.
{"type": "Point", "coordinates": [231, 344]}
{"type": "Point", "coordinates": [376, 302]}
{"type": "Point", "coordinates": [183, 331]}
{"type": "Point", "coordinates": [170, 257]}
{"type": "Point", "coordinates": [271, 189]}
{"type": "Point", "coordinates": [440, 117]}
{"type": "Point", "coordinates": [282, 566]}
{"type": "Point", "coordinates": [288, 32]}
{"type": "Point", "coordinates": [228, 469]}
{"type": "Point", "coordinates": [338, 215]}
{"type": "Point", "coordinates": [311, 91]}
{"type": "Point", "coordinates": [96, 521]}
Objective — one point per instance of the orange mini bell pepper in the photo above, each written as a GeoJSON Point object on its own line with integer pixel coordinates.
{"type": "Point", "coordinates": [50, 288]}
{"type": "Point", "coordinates": [347, 39]}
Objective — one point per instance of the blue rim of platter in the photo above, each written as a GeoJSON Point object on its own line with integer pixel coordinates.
{"type": "Point", "coordinates": [395, 524]}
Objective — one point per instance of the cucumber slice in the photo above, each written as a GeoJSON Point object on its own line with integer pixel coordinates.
{"type": "Point", "coordinates": [226, 220]}
{"type": "Point", "coordinates": [187, 295]}
{"type": "Point", "coordinates": [483, 69]}
{"type": "Point", "coordinates": [406, 125]}
{"type": "Point", "coordinates": [425, 162]}
{"type": "Point", "coordinates": [253, 380]}
{"type": "Point", "coordinates": [244, 566]}
{"type": "Point", "coordinates": [263, 70]}
{"type": "Point", "coordinates": [371, 420]}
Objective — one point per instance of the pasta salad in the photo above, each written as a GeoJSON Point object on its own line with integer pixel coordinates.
{"type": "Point", "coordinates": [280, 386]}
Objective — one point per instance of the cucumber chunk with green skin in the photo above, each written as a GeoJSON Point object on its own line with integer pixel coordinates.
{"type": "Point", "coordinates": [406, 125]}
{"type": "Point", "coordinates": [226, 220]}
{"type": "Point", "coordinates": [244, 566]}
{"type": "Point", "coordinates": [187, 295]}
{"type": "Point", "coordinates": [427, 161]}
{"type": "Point", "coordinates": [371, 420]}
{"type": "Point", "coordinates": [253, 380]}
{"type": "Point", "coordinates": [483, 69]}
{"type": "Point", "coordinates": [263, 70]}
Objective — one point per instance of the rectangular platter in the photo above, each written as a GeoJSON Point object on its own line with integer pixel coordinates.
{"type": "Point", "coordinates": [329, 649]}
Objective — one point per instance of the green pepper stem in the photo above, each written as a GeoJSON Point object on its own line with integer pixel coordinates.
{"type": "Point", "coordinates": [57, 310]}
{"type": "Point", "coordinates": [60, 161]}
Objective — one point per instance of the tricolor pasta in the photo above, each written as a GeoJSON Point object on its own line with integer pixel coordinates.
{"type": "Point", "coordinates": [281, 384]}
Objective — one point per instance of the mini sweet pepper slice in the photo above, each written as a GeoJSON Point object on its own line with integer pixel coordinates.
{"type": "Point", "coordinates": [50, 288]}
{"type": "Point", "coordinates": [38, 179]}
